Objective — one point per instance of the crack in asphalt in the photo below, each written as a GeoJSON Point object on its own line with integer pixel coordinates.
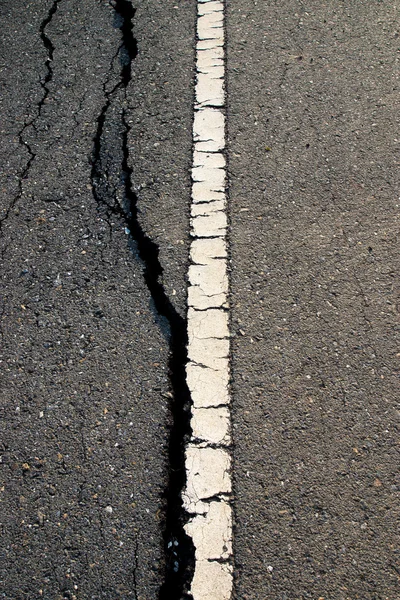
{"type": "Point", "coordinates": [44, 85]}
{"type": "Point", "coordinates": [113, 191]}
{"type": "Point", "coordinates": [50, 50]}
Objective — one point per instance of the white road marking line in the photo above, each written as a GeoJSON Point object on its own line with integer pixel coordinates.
{"type": "Point", "coordinates": [207, 494]}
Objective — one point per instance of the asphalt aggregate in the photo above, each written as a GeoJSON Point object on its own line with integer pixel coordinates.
{"type": "Point", "coordinates": [313, 129]}
{"type": "Point", "coordinates": [96, 146]}
{"type": "Point", "coordinates": [85, 386]}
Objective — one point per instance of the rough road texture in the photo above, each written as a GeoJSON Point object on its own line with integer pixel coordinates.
{"type": "Point", "coordinates": [161, 103]}
{"type": "Point", "coordinates": [313, 128]}
{"type": "Point", "coordinates": [85, 394]}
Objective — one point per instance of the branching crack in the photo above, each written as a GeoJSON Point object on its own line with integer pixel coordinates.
{"type": "Point", "coordinates": [114, 193]}
{"type": "Point", "coordinates": [44, 83]}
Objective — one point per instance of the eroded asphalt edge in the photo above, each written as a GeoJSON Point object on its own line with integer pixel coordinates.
{"type": "Point", "coordinates": [204, 348]}
{"type": "Point", "coordinates": [122, 205]}
{"type": "Point", "coordinates": [178, 545]}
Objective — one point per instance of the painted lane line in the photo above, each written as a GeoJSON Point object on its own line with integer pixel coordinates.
{"type": "Point", "coordinates": [208, 489]}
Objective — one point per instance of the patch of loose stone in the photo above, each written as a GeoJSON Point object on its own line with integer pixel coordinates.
{"type": "Point", "coordinates": [207, 494]}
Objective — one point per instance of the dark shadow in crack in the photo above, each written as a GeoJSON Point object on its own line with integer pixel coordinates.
{"type": "Point", "coordinates": [123, 202]}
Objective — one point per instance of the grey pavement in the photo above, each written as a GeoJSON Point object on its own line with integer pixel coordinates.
{"type": "Point", "coordinates": [314, 195]}
{"type": "Point", "coordinates": [85, 391]}
{"type": "Point", "coordinates": [92, 320]}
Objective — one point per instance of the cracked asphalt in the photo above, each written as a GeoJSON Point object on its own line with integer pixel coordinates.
{"type": "Point", "coordinates": [85, 389]}
{"type": "Point", "coordinates": [86, 354]}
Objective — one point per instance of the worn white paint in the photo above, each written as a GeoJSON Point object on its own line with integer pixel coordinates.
{"type": "Point", "coordinates": [207, 476]}
{"type": "Point", "coordinates": [203, 251]}
{"type": "Point", "coordinates": [211, 425]}
{"type": "Point", "coordinates": [206, 497]}
{"type": "Point", "coordinates": [209, 91]}
{"type": "Point", "coordinates": [212, 581]}
{"type": "Point", "coordinates": [208, 208]}
{"type": "Point", "coordinates": [211, 531]}
{"type": "Point", "coordinates": [208, 285]}
{"type": "Point", "coordinates": [209, 387]}
{"type": "Point", "coordinates": [209, 130]}
{"type": "Point", "coordinates": [210, 225]}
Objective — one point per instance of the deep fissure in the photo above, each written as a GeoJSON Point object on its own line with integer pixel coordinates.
{"type": "Point", "coordinates": [116, 196]}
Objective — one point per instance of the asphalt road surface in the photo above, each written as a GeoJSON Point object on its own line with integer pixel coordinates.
{"type": "Point", "coordinates": [314, 197]}
{"type": "Point", "coordinates": [96, 150]}
{"type": "Point", "coordinates": [86, 394]}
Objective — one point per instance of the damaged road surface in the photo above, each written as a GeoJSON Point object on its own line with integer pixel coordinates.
{"type": "Point", "coordinates": [199, 300]}
{"type": "Point", "coordinates": [93, 339]}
